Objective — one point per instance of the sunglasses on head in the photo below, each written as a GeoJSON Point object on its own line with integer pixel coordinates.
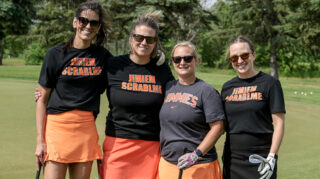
{"type": "Point", "coordinates": [140, 38]}
{"type": "Point", "coordinates": [243, 56]}
{"type": "Point", "coordinates": [84, 22]}
{"type": "Point", "coordinates": [177, 59]}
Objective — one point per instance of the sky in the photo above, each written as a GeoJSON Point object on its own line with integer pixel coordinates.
{"type": "Point", "coordinates": [207, 3]}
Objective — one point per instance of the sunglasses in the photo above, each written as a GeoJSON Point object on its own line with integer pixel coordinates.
{"type": "Point", "coordinates": [243, 56]}
{"type": "Point", "coordinates": [140, 38]}
{"type": "Point", "coordinates": [84, 22]}
{"type": "Point", "coordinates": [186, 59]}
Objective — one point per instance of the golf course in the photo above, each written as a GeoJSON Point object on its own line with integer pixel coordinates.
{"type": "Point", "coordinates": [299, 155]}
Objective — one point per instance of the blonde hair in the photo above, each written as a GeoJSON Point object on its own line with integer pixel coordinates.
{"type": "Point", "coordinates": [187, 44]}
{"type": "Point", "coordinates": [151, 19]}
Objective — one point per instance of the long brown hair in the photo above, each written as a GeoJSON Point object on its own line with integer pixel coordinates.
{"type": "Point", "coordinates": [101, 35]}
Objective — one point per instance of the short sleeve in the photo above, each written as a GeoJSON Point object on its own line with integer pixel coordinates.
{"type": "Point", "coordinates": [276, 99]}
{"type": "Point", "coordinates": [212, 105]}
{"type": "Point", "coordinates": [168, 70]}
{"type": "Point", "coordinates": [104, 75]}
{"type": "Point", "coordinates": [49, 70]}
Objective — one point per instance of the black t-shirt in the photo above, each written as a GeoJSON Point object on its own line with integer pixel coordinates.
{"type": "Point", "coordinates": [76, 77]}
{"type": "Point", "coordinates": [184, 118]}
{"type": "Point", "coordinates": [135, 94]}
{"type": "Point", "coordinates": [250, 103]}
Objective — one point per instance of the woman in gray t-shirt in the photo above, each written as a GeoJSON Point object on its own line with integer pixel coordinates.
{"type": "Point", "coordinates": [191, 121]}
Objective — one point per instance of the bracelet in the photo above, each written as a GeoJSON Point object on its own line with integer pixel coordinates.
{"type": "Point", "coordinates": [273, 155]}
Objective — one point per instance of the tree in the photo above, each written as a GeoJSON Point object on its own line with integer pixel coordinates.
{"type": "Point", "coordinates": [52, 25]}
{"type": "Point", "coordinates": [259, 20]}
{"type": "Point", "coordinates": [54, 21]}
{"type": "Point", "coordinates": [300, 50]}
{"type": "Point", "coordinates": [213, 42]}
{"type": "Point", "coordinates": [15, 19]}
{"type": "Point", "coordinates": [182, 19]}
{"type": "Point", "coordinates": [303, 22]}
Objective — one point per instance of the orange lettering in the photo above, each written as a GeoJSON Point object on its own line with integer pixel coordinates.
{"type": "Point", "coordinates": [123, 85]}
{"type": "Point", "coordinates": [254, 96]}
{"type": "Point", "coordinates": [69, 71]}
{"type": "Point", "coordinates": [131, 78]}
{"type": "Point", "coordinates": [129, 86]}
{"type": "Point", "coordinates": [259, 96]}
{"type": "Point", "coordinates": [152, 79]}
{"type": "Point", "coordinates": [134, 86]}
{"type": "Point", "coordinates": [80, 71]}
{"type": "Point", "coordinates": [64, 72]}
{"type": "Point", "coordinates": [75, 71]}
{"type": "Point", "coordinates": [194, 101]}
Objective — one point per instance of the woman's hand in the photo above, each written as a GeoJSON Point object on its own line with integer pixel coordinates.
{"type": "Point", "coordinates": [41, 151]}
{"type": "Point", "coordinates": [37, 94]}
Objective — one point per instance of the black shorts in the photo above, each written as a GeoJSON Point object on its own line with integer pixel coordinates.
{"type": "Point", "coordinates": [238, 148]}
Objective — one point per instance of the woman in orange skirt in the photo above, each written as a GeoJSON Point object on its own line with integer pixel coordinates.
{"type": "Point", "coordinates": [135, 94]}
{"type": "Point", "coordinates": [70, 86]}
{"type": "Point", "coordinates": [191, 120]}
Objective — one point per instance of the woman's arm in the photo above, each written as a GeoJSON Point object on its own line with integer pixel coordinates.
{"type": "Point", "coordinates": [278, 123]}
{"type": "Point", "coordinates": [41, 122]}
{"type": "Point", "coordinates": [217, 129]}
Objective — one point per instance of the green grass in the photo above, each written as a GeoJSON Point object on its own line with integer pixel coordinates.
{"type": "Point", "coordinates": [298, 157]}
{"type": "Point", "coordinates": [13, 62]}
{"type": "Point", "coordinates": [15, 68]}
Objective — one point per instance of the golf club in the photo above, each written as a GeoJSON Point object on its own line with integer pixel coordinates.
{"type": "Point", "coordinates": [185, 150]}
{"type": "Point", "coordinates": [100, 169]}
{"type": "Point", "coordinates": [39, 170]}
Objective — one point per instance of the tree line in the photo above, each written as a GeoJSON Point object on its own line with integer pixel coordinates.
{"type": "Point", "coordinates": [286, 32]}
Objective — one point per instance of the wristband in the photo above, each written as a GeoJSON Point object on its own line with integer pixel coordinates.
{"type": "Point", "coordinates": [273, 155]}
{"type": "Point", "coordinates": [199, 153]}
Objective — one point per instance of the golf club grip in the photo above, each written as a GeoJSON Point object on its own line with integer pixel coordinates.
{"type": "Point", "coordinates": [181, 170]}
{"type": "Point", "coordinates": [100, 169]}
{"type": "Point", "coordinates": [39, 170]}
{"type": "Point", "coordinates": [180, 174]}
{"type": "Point", "coordinates": [38, 174]}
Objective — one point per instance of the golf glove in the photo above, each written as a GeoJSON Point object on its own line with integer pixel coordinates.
{"type": "Point", "coordinates": [266, 167]}
{"type": "Point", "coordinates": [187, 160]}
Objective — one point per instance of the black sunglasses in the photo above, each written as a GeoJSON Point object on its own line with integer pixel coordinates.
{"type": "Point", "coordinates": [140, 38]}
{"type": "Point", "coordinates": [243, 56]}
{"type": "Point", "coordinates": [84, 22]}
{"type": "Point", "coordinates": [177, 59]}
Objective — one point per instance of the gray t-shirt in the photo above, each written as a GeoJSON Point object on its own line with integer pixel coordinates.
{"type": "Point", "coordinates": [184, 118]}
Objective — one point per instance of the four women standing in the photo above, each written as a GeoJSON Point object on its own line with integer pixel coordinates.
{"type": "Point", "coordinates": [72, 79]}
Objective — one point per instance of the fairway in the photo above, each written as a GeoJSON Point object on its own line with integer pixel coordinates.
{"type": "Point", "coordinates": [299, 156]}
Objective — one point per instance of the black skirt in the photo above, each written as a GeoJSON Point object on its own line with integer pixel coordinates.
{"type": "Point", "coordinates": [238, 148]}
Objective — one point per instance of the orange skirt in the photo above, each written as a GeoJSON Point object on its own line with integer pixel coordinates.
{"type": "Point", "coordinates": [130, 158]}
{"type": "Point", "coordinates": [72, 137]}
{"type": "Point", "coordinates": [210, 170]}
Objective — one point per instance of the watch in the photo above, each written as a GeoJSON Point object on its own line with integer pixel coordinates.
{"type": "Point", "coordinates": [199, 153]}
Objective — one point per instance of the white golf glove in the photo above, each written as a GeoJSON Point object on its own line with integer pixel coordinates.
{"type": "Point", "coordinates": [266, 170]}
{"type": "Point", "coordinates": [266, 166]}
